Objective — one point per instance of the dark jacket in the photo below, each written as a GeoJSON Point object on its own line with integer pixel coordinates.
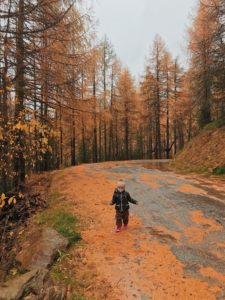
{"type": "Point", "coordinates": [121, 200]}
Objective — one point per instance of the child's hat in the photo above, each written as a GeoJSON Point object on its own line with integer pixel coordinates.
{"type": "Point", "coordinates": [121, 183]}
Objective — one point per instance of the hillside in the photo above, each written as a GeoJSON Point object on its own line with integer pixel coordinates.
{"type": "Point", "coordinates": [204, 153]}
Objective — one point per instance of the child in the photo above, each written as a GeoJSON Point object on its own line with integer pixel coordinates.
{"type": "Point", "coordinates": [121, 199]}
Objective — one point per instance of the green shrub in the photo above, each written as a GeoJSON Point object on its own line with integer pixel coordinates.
{"type": "Point", "coordinates": [215, 124]}
{"type": "Point", "coordinates": [219, 170]}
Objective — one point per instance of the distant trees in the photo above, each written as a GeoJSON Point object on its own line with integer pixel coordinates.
{"type": "Point", "coordinates": [127, 107]}
{"type": "Point", "coordinates": [175, 104]}
{"type": "Point", "coordinates": [160, 94]}
{"type": "Point", "coordinates": [207, 51]}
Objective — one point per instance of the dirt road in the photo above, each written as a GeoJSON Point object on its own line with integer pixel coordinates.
{"type": "Point", "coordinates": [174, 247]}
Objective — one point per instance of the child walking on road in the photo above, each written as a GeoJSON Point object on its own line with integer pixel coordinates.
{"type": "Point", "coordinates": [121, 199]}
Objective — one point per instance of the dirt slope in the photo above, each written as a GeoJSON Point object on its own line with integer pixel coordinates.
{"type": "Point", "coordinates": [204, 152]}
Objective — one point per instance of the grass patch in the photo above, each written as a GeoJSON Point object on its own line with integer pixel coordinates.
{"type": "Point", "coordinates": [60, 277]}
{"type": "Point", "coordinates": [186, 169]}
{"type": "Point", "coordinates": [77, 297]}
{"type": "Point", "coordinates": [215, 124]}
{"type": "Point", "coordinates": [56, 217]}
{"type": "Point", "coordinates": [61, 270]}
{"type": "Point", "coordinates": [54, 198]}
{"type": "Point", "coordinates": [198, 170]}
{"type": "Point", "coordinates": [63, 222]}
{"type": "Point", "coordinates": [219, 171]}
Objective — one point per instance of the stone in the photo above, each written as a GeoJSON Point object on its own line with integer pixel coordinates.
{"type": "Point", "coordinates": [54, 292]}
{"type": "Point", "coordinates": [30, 282]}
{"type": "Point", "coordinates": [39, 251]}
{"type": "Point", "coordinates": [41, 248]}
{"type": "Point", "coordinates": [31, 297]}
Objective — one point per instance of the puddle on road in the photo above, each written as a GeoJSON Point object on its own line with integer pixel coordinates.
{"type": "Point", "coordinates": [190, 189]}
{"type": "Point", "coordinates": [197, 217]}
{"type": "Point", "coordinates": [160, 234]}
{"type": "Point", "coordinates": [201, 228]}
{"type": "Point", "coordinates": [212, 274]}
{"type": "Point", "coordinates": [161, 165]}
{"type": "Point", "coordinates": [150, 180]}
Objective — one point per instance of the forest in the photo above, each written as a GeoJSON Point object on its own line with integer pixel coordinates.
{"type": "Point", "coordinates": [66, 99]}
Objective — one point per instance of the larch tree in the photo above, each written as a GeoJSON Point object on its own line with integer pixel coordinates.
{"type": "Point", "coordinates": [201, 42]}
{"type": "Point", "coordinates": [127, 108]}
{"type": "Point", "coordinates": [41, 42]}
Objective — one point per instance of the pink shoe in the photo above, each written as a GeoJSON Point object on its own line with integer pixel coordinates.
{"type": "Point", "coordinates": [125, 226]}
{"type": "Point", "coordinates": [118, 229]}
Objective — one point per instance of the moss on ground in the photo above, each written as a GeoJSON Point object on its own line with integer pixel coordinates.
{"type": "Point", "coordinates": [57, 217]}
{"type": "Point", "coordinates": [63, 222]}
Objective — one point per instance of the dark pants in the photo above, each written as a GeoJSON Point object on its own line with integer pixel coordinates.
{"type": "Point", "coordinates": [122, 218]}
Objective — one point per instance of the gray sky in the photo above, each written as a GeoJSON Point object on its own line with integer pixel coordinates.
{"type": "Point", "coordinates": [132, 24]}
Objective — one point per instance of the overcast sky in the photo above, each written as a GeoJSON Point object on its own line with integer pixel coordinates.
{"type": "Point", "coordinates": [132, 24]}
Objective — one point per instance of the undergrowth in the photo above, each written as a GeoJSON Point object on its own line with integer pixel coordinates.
{"type": "Point", "coordinates": [77, 297]}
{"type": "Point", "coordinates": [59, 217]}
{"type": "Point", "coordinates": [215, 124]}
{"type": "Point", "coordinates": [219, 170]}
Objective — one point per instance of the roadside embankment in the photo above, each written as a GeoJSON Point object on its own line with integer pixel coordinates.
{"type": "Point", "coordinates": [205, 153]}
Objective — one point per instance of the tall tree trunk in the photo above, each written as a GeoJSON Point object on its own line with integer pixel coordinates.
{"type": "Point", "coordinates": [84, 153]}
{"type": "Point", "coordinates": [95, 139]}
{"type": "Point", "coordinates": [167, 119]}
{"type": "Point", "coordinates": [190, 126]}
{"type": "Point", "coordinates": [126, 138]}
{"type": "Point", "coordinates": [175, 111]}
{"type": "Point", "coordinates": [100, 137]}
{"type": "Point", "coordinates": [4, 113]}
{"type": "Point", "coordinates": [73, 141]}
{"type": "Point", "coordinates": [111, 121]}
{"type": "Point", "coordinates": [116, 137]}
{"type": "Point", "coordinates": [19, 161]}
{"type": "Point", "coordinates": [158, 106]}
{"type": "Point", "coordinates": [104, 90]}
{"type": "Point", "coordinates": [61, 135]}
{"type": "Point", "coordinates": [149, 151]}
